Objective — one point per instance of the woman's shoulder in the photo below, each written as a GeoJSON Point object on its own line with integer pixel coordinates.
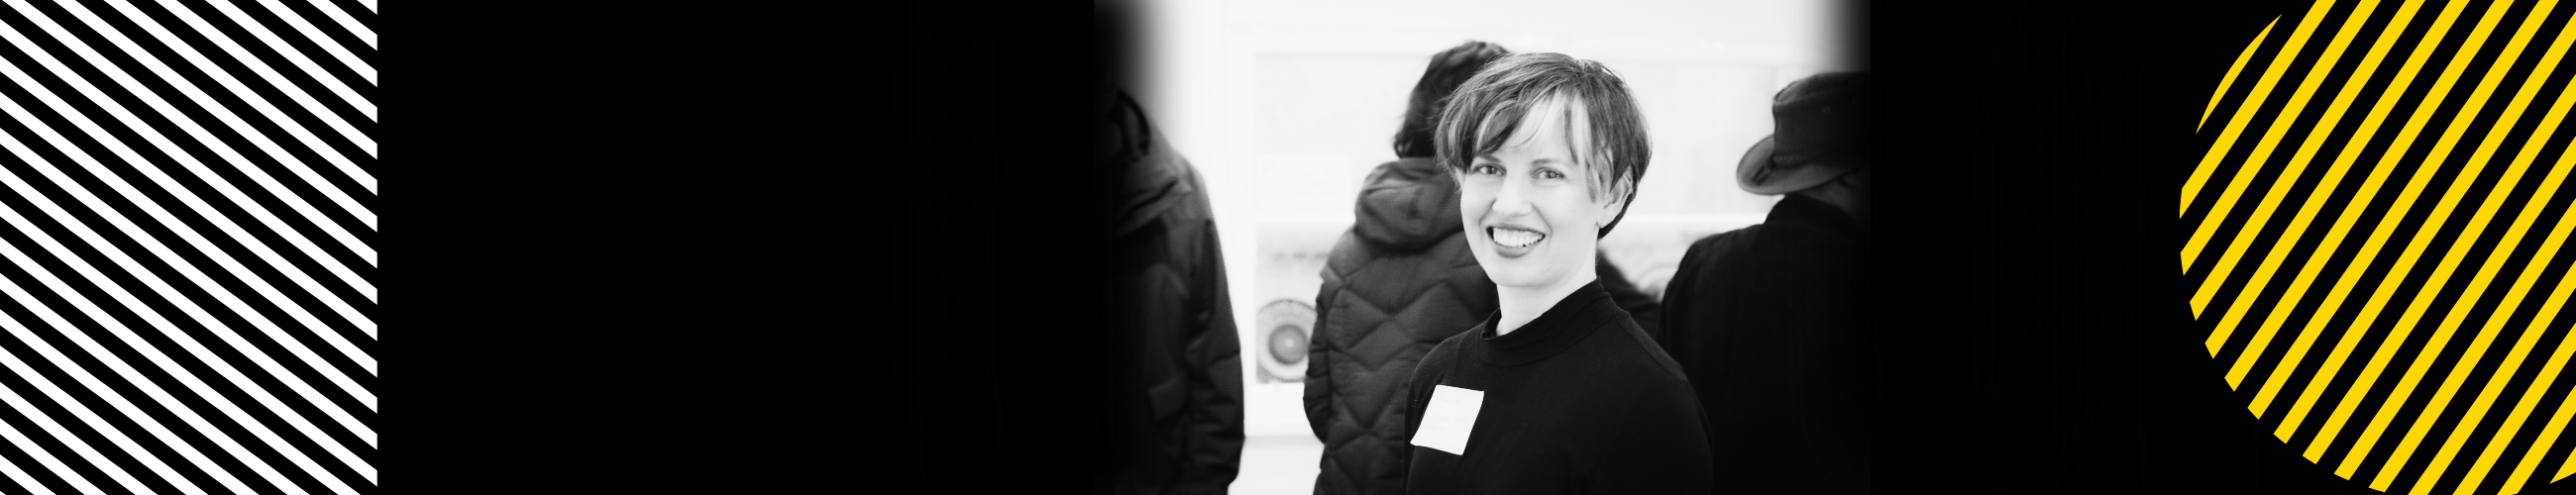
{"type": "Point", "coordinates": [1447, 351]}
{"type": "Point", "coordinates": [1436, 364]}
{"type": "Point", "coordinates": [1657, 386]}
{"type": "Point", "coordinates": [1647, 360]}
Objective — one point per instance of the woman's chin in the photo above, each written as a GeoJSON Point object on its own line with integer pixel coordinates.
{"type": "Point", "coordinates": [1529, 270]}
{"type": "Point", "coordinates": [1519, 279]}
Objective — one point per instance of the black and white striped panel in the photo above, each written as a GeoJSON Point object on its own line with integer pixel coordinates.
{"type": "Point", "coordinates": [189, 258]}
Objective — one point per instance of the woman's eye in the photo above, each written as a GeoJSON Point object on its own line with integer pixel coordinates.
{"type": "Point", "coordinates": [1550, 175]}
{"type": "Point", "coordinates": [1485, 169]}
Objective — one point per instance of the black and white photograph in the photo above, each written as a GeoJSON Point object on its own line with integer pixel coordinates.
{"type": "Point", "coordinates": [1316, 130]}
{"type": "Point", "coordinates": [1366, 223]}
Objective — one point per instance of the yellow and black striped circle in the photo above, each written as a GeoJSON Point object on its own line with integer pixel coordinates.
{"type": "Point", "coordinates": [2372, 235]}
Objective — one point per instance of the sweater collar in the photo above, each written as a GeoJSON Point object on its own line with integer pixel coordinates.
{"type": "Point", "coordinates": [1555, 330]}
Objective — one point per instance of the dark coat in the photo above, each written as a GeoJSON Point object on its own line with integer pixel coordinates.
{"type": "Point", "coordinates": [1180, 427]}
{"type": "Point", "coordinates": [1771, 323]}
{"type": "Point", "coordinates": [1396, 284]}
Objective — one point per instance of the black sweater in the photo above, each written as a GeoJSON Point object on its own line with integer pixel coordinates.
{"type": "Point", "coordinates": [1577, 400]}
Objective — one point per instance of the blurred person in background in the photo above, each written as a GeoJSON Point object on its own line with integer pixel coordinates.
{"type": "Point", "coordinates": [1396, 284]}
{"type": "Point", "coordinates": [1771, 321]}
{"type": "Point", "coordinates": [1559, 390]}
{"type": "Point", "coordinates": [1641, 306]}
{"type": "Point", "coordinates": [1177, 422]}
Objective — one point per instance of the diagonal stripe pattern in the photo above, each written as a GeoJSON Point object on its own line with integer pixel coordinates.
{"type": "Point", "coordinates": [2423, 356]}
{"type": "Point", "coordinates": [188, 268]}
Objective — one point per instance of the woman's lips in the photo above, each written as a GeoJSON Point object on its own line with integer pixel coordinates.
{"type": "Point", "coordinates": [1511, 242]}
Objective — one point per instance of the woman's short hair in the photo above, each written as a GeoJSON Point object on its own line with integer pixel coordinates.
{"type": "Point", "coordinates": [1491, 106]}
{"type": "Point", "coordinates": [1422, 113]}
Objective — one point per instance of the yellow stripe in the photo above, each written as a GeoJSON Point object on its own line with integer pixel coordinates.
{"type": "Point", "coordinates": [2299, 225]}
{"type": "Point", "coordinates": [2414, 250]}
{"type": "Point", "coordinates": [2342, 225]}
{"type": "Point", "coordinates": [2566, 469]}
{"type": "Point", "coordinates": [2379, 236]}
{"type": "Point", "coordinates": [2272, 197]}
{"type": "Point", "coordinates": [2557, 422]}
{"type": "Point", "coordinates": [2263, 148]}
{"type": "Point", "coordinates": [2262, 88]}
{"type": "Point", "coordinates": [2539, 385]}
{"type": "Point", "coordinates": [2232, 70]}
{"type": "Point", "coordinates": [2495, 261]}
{"type": "Point", "coordinates": [2496, 321]}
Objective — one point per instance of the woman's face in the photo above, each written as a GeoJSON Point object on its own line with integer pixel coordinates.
{"type": "Point", "coordinates": [1529, 208]}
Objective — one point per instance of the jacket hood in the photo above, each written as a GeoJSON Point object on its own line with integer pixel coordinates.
{"type": "Point", "coordinates": [1152, 178]}
{"type": "Point", "coordinates": [1408, 205]}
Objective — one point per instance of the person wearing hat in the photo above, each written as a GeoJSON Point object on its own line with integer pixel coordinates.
{"type": "Point", "coordinates": [1771, 322]}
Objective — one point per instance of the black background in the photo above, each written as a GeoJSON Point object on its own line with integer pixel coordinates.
{"type": "Point", "coordinates": [770, 247]}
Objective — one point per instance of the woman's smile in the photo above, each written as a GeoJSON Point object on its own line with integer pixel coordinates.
{"type": "Point", "coordinates": [1513, 241]}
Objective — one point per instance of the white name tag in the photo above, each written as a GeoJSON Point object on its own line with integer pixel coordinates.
{"type": "Point", "coordinates": [1451, 416]}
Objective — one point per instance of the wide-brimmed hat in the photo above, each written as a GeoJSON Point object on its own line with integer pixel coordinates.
{"type": "Point", "coordinates": [1820, 123]}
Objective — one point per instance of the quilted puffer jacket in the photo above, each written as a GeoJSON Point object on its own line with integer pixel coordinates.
{"type": "Point", "coordinates": [1396, 284]}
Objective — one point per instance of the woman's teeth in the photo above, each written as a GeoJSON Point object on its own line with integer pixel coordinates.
{"type": "Point", "coordinates": [1515, 238]}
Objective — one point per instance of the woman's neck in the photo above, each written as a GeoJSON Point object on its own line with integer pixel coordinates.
{"type": "Point", "coordinates": [1522, 304]}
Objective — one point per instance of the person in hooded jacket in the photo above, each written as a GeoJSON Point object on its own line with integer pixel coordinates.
{"type": "Point", "coordinates": [1180, 422]}
{"type": "Point", "coordinates": [1173, 365]}
{"type": "Point", "coordinates": [1396, 284]}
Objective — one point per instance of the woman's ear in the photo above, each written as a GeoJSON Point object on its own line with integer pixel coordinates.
{"type": "Point", "coordinates": [1612, 204]}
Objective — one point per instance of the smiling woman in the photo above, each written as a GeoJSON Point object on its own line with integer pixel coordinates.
{"type": "Point", "coordinates": [1546, 146]}
{"type": "Point", "coordinates": [1556, 143]}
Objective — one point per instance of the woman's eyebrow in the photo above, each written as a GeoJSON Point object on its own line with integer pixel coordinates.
{"type": "Point", "coordinates": [1541, 161]}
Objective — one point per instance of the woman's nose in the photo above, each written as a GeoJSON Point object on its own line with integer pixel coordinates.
{"type": "Point", "coordinates": [1511, 197]}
